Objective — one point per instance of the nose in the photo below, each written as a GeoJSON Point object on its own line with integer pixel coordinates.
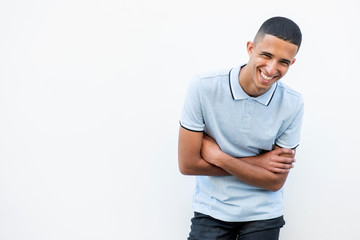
{"type": "Point", "coordinates": [271, 67]}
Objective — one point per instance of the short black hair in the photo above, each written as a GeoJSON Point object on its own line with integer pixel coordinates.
{"type": "Point", "coordinates": [282, 28]}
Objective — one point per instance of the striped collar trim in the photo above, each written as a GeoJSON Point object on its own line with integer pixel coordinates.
{"type": "Point", "coordinates": [238, 93]}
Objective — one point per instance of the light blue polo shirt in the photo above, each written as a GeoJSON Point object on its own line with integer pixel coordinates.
{"type": "Point", "coordinates": [242, 126]}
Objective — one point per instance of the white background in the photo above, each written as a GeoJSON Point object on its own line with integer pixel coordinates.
{"type": "Point", "coordinates": [90, 97]}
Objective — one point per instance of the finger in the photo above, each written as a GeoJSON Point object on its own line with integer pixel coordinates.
{"type": "Point", "coordinates": [287, 160]}
{"type": "Point", "coordinates": [287, 151]}
{"type": "Point", "coordinates": [287, 166]}
{"type": "Point", "coordinates": [284, 166]}
{"type": "Point", "coordinates": [281, 170]}
{"type": "Point", "coordinates": [280, 151]}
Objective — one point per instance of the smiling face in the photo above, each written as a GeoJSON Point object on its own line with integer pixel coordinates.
{"type": "Point", "coordinates": [270, 59]}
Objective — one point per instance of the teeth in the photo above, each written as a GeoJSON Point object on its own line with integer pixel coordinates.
{"type": "Point", "coordinates": [265, 77]}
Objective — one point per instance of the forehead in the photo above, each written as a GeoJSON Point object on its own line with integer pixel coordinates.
{"type": "Point", "coordinates": [277, 47]}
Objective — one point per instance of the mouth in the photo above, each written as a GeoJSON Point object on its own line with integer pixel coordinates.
{"type": "Point", "coordinates": [266, 78]}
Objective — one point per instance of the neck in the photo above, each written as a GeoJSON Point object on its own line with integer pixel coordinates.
{"type": "Point", "coordinates": [247, 83]}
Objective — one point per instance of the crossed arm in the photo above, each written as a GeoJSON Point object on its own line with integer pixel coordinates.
{"type": "Point", "coordinates": [198, 154]}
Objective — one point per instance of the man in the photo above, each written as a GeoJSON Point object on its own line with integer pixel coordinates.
{"type": "Point", "coordinates": [239, 131]}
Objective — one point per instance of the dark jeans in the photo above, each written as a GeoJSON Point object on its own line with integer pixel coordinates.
{"type": "Point", "coordinates": [204, 227]}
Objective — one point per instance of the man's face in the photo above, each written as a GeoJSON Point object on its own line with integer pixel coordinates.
{"type": "Point", "coordinates": [269, 61]}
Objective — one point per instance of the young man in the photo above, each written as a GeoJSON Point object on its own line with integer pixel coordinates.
{"type": "Point", "coordinates": [239, 131]}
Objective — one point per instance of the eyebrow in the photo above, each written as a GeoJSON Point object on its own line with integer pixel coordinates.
{"type": "Point", "coordinates": [282, 59]}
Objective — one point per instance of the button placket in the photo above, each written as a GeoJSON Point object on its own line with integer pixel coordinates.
{"type": "Point", "coordinates": [249, 108]}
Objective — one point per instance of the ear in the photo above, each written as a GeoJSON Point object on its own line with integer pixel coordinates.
{"type": "Point", "coordinates": [250, 46]}
{"type": "Point", "coordinates": [293, 61]}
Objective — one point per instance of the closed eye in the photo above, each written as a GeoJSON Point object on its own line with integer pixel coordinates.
{"type": "Point", "coordinates": [286, 62]}
{"type": "Point", "coordinates": [266, 55]}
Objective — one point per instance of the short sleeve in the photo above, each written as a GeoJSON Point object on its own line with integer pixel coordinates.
{"type": "Point", "coordinates": [192, 115]}
{"type": "Point", "coordinates": [290, 138]}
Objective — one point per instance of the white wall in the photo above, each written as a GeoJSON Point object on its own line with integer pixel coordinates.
{"type": "Point", "coordinates": [91, 94]}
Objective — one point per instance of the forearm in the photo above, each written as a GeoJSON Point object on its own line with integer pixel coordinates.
{"type": "Point", "coordinates": [279, 161]}
{"type": "Point", "coordinates": [201, 167]}
{"type": "Point", "coordinates": [250, 173]}
{"type": "Point", "coordinates": [253, 160]}
{"type": "Point", "coordinates": [268, 170]}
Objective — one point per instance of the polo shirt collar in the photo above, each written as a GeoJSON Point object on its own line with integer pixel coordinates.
{"type": "Point", "coordinates": [239, 94]}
